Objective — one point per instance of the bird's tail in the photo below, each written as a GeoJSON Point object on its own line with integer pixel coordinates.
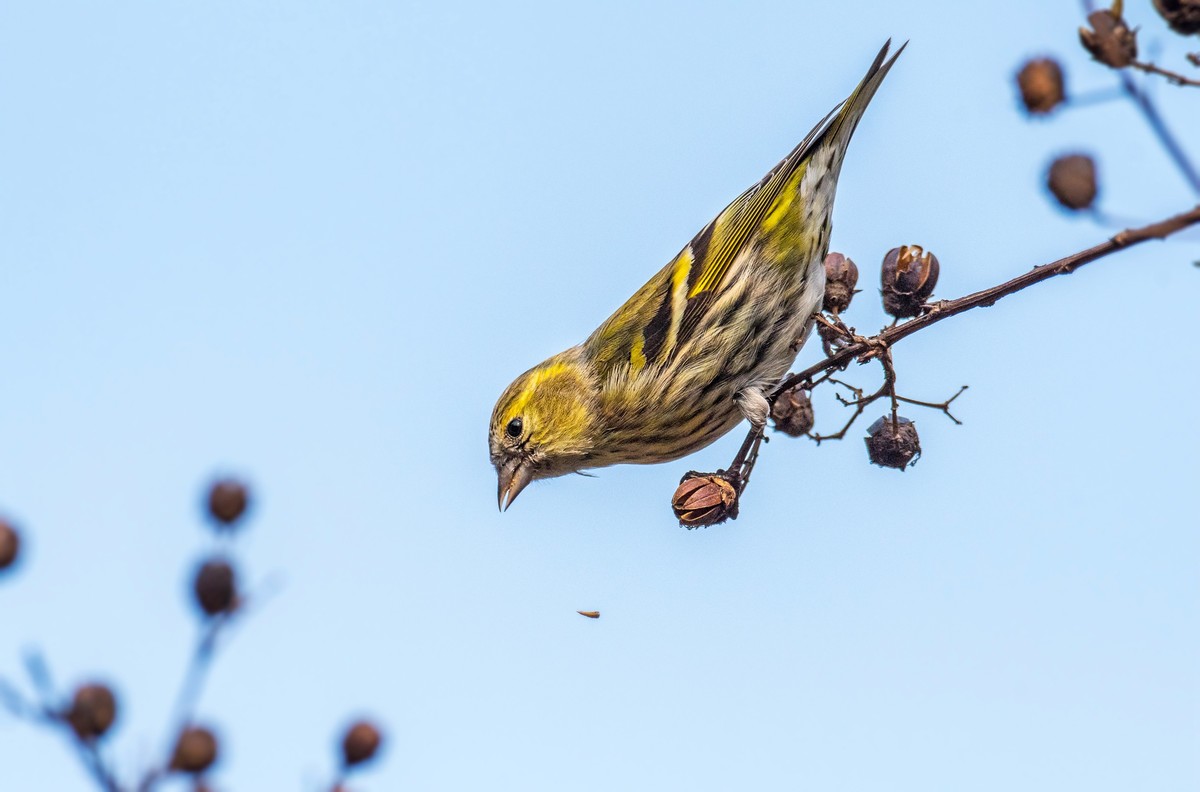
{"type": "Point", "coordinates": [843, 124]}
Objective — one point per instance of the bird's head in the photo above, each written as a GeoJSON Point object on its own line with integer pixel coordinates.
{"type": "Point", "coordinates": [544, 424]}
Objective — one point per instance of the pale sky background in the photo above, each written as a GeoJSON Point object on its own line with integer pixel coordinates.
{"type": "Point", "coordinates": [310, 243]}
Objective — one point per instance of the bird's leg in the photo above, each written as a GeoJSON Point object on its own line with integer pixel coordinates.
{"type": "Point", "coordinates": [754, 405]}
{"type": "Point", "coordinates": [738, 473]}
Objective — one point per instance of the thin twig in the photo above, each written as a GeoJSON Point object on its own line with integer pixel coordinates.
{"type": "Point", "coordinates": [1172, 77]}
{"type": "Point", "coordinates": [944, 406]}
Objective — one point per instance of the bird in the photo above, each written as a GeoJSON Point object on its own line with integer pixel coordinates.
{"type": "Point", "coordinates": [701, 345]}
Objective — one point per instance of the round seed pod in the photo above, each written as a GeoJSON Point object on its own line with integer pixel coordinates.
{"type": "Point", "coordinates": [841, 275]}
{"type": "Point", "coordinates": [215, 587]}
{"type": "Point", "coordinates": [1072, 181]}
{"type": "Point", "coordinates": [10, 544]}
{"type": "Point", "coordinates": [195, 750]}
{"type": "Point", "coordinates": [907, 277]}
{"type": "Point", "coordinates": [227, 501]}
{"type": "Point", "coordinates": [1182, 15]}
{"type": "Point", "coordinates": [1110, 40]}
{"type": "Point", "coordinates": [1040, 82]}
{"type": "Point", "coordinates": [893, 445]}
{"type": "Point", "coordinates": [360, 743]}
{"type": "Point", "coordinates": [92, 712]}
{"type": "Point", "coordinates": [792, 412]}
{"type": "Point", "coordinates": [704, 499]}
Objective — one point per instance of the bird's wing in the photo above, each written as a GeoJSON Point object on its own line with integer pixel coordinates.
{"type": "Point", "coordinates": [664, 313]}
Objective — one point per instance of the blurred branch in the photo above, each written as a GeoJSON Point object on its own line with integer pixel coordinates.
{"type": "Point", "coordinates": [1159, 126]}
{"type": "Point", "coordinates": [188, 696]}
{"type": "Point", "coordinates": [49, 712]}
{"type": "Point", "coordinates": [1150, 112]}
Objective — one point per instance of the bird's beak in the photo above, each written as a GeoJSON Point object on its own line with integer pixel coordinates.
{"type": "Point", "coordinates": [514, 476]}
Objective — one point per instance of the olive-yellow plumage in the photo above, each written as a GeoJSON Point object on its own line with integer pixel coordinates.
{"type": "Point", "coordinates": [699, 347]}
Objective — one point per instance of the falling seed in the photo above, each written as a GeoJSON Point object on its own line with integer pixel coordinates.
{"type": "Point", "coordinates": [589, 614]}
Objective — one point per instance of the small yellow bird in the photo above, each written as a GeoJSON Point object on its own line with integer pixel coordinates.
{"type": "Point", "coordinates": [701, 345]}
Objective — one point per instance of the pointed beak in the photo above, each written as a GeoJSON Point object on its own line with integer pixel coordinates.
{"type": "Point", "coordinates": [514, 476]}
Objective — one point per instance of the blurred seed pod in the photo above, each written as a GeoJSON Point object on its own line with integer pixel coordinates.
{"type": "Point", "coordinates": [1110, 40]}
{"type": "Point", "coordinates": [1072, 181]}
{"type": "Point", "coordinates": [93, 710]}
{"type": "Point", "coordinates": [893, 446]}
{"type": "Point", "coordinates": [792, 412]}
{"type": "Point", "coordinates": [215, 587]}
{"type": "Point", "coordinates": [1041, 84]}
{"type": "Point", "coordinates": [195, 750]}
{"type": "Point", "coordinates": [704, 499]}
{"type": "Point", "coordinates": [841, 275]}
{"type": "Point", "coordinates": [227, 501]}
{"type": "Point", "coordinates": [908, 277]}
{"type": "Point", "coordinates": [1182, 15]}
{"type": "Point", "coordinates": [10, 544]}
{"type": "Point", "coordinates": [360, 743]}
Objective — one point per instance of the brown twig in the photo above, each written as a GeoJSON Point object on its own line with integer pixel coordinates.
{"type": "Point", "coordinates": [944, 406]}
{"type": "Point", "coordinates": [888, 388]}
{"type": "Point", "coordinates": [859, 403]}
{"type": "Point", "coordinates": [1172, 77]}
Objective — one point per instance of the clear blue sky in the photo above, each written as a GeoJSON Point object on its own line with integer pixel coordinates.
{"type": "Point", "coordinates": [309, 243]}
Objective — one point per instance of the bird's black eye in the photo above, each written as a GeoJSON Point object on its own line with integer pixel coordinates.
{"type": "Point", "coordinates": [514, 428]}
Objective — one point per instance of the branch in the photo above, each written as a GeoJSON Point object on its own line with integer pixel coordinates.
{"type": "Point", "coordinates": [869, 348]}
{"type": "Point", "coordinates": [48, 711]}
{"type": "Point", "coordinates": [1172, 77]}
{"type": "Point", "coordinates": [879, 346]}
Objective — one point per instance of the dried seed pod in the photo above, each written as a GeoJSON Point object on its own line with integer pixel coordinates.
{"type": "Point", "coordinates": [704, 499]}
{"type": "Point", "coordinates": [1072, 180]}
{"type": "Point", "coordinates": [841, 275]}
{"type": "Point", "coordinates": [10, 544]}
{"type": "Point", "coordinates": [831, 339]}
{"type": "Point", "coordinates": [908, 277]}
{"type": "Point", "coordinates": [893, 445]}
{"type": "Point", "coordinates": [227, 501]}
{"type": "Point", "coordinates": [792, 412]}
{"type": "Point", "coordinates": [360, 743]}
{"type": "Point", "coordinates": [1182, 15]}
{"type": "Point", "coordinates": [215, 587]}
{"type": "Point", "coordinates": [1110, 40]}
{"type": "Point", "coordinates": [195, 750]}
{"type": "Point", "coordinates": [1041, 84]}
{"type": "Point", "coordinates": [93, 710]}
